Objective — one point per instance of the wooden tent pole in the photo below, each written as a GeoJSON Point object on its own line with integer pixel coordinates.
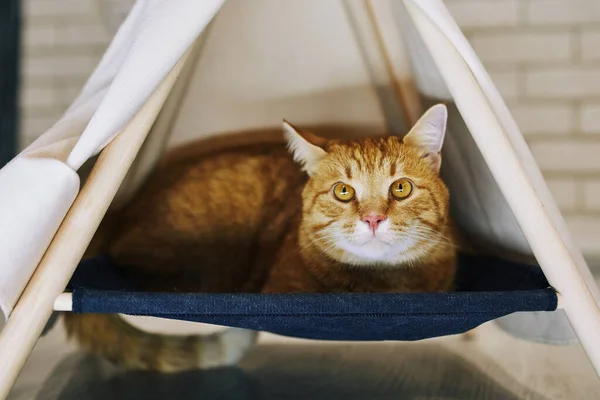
{"type": "Point", "coordinates": [521, 182]}
{"type": "Point", "coordinates": [74, 235]}
{"type": "Point", "coordinates": [407, 96]}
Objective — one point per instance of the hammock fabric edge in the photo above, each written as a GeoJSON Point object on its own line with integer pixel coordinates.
{"type": "Point", "coordinates": [488, 289]}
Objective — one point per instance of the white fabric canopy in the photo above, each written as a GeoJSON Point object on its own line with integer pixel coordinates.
{"type": "Point", "coordinates": [40, 184]}
{"type": "Point", "coordinates": [309, 61]}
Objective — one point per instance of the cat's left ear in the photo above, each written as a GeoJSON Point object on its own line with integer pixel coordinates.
{"type": "Point", "coordinates": [428, 134]}
{"type": "Point", "coordinates": [306, 147]}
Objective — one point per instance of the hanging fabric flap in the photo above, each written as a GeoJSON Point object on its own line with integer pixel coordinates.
{"type": "Point", "coordinates": [41, 183]}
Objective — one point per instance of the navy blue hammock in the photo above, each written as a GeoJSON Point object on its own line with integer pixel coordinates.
{"type": "Point", "coordinates": [487, 288]}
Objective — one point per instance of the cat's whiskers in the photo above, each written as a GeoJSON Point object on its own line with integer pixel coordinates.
{"type": "Point", "coordinates": [406, 251]}
{"type": "Point", "coordinates": [427, 234]}
{"type": "Point", "coordinates": [322, 240]}
{"type": "Point", "coordinates": [432, 236]}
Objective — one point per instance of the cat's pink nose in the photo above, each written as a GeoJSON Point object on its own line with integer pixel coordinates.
{"type": "Point", "coordinates": [373, 220]}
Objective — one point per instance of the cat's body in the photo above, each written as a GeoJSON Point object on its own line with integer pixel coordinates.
{"type": "Point", "coordinates": [211, 224]}
{"type": "Point", "coordinates": [230, 222]}
{"type": "Point", "coordinates": [371, 216]}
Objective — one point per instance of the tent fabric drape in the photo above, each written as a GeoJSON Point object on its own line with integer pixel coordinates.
{"type": "Point", "coordinates": [265, 60]}
{"type": "Point", "coordinates": [40, 184]}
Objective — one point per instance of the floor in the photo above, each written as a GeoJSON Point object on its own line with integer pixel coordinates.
{"type": "Point", "coordinates": [492, 365]}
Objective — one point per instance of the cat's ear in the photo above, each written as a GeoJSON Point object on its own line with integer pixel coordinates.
{"type": "Point", "coordinates": [306, 147]}
{"type": "Point", "coordinates": [428, 134]}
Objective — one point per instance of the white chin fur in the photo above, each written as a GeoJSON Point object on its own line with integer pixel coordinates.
{"type": "Point", "coordinates": [384, 248]}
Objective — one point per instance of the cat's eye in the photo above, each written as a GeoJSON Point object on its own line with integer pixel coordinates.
{"type": "Point", "coordinates": [401, 189]}
{"type": "Point", "coordinates": [343, 192]}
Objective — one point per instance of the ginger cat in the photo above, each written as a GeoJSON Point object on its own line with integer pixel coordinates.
{"type": "Point", "coordinates": [368, 215]}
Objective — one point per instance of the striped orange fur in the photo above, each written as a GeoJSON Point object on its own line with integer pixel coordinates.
{"type": "Point", "coordinates": [248, 219]}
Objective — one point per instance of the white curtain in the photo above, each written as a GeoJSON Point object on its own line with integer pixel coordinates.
{"type": "Point", "coordinates": [39, 185]}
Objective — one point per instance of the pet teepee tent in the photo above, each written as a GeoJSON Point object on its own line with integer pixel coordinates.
{"type": "Point", "coordinates": [369, 65]}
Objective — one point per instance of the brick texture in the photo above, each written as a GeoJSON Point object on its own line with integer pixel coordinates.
{"type": "Point", "coordinates": [484, 13]}
{"type": "Point", "coordinates": [561, 12]}
{"type": "Point", "coordinates": [543, 55]}
{"type": "Point", "coordinates": [590, 44]}
{"type": "Point", "coordinates": [536, 118]}
{"type": "Point", "coordinates": [38, 96]}
{"type": "Point", "coordinates": [568, 156]}
{"type": "Point", "coordinates": [591, 195]}
{"type": "Point", "coordinates": [563, 82]}
{"type": "Point", "coordinates": [523, 46]}
{"type": "Point", "coordinates": [506, 81]}
{"type": "Point", "coordinates": [585, 230]}
{"type": "Point", "coordinates": [59, 8]}
{"type": "Point", "coordinates": [32, 126]}
{"type": "Point", "coordinates": [565, 193]}
{"type": "Point", "coordinates": [63, 41]}
{"type": "Point", "coordinates": [590, 117]}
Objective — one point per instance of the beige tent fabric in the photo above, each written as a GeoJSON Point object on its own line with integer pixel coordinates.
{"type": "Point", "coordinates": [40, 184]}
{"type": "Point", "coordinates": [264, 60]}
{"type": "Point", "coordinates": [307, 73]}
{"type": "Point", "coordinates": [325, 76]}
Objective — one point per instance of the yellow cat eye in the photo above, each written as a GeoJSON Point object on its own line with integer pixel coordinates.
{"type": "Point", "coordinates": [343, 192]}
{"type": "Point", "coordinates": [401, 189]}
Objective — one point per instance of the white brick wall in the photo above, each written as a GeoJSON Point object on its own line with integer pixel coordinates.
{"type": "Point", "coordinates": [63, 41]}
{"type": "Point", "coordinates": [522, 46]}
{"type": "Point", "coordinates": [585, 232]}
{"type": "Point", "coordinates": [59, 8]}
{"type": "Point", "coordinates": [544, 56]}
{"type": "Point", "coordinates": [562, 12]}
{"type": "Point", "coordinates": [591, 195]}
{"type": "Point", "coordinates": [573, 82]}
{"type": "Point", "coordinates": [38, 96]}
{"type": "Point", "coordinates": [484, 13]}
{"type": "Point", "coordinates": [67, 66]}
{"type": "Point", "coordinates": [567, 156]}
{"type": "Point", "coordinates": [589, 121]}
{"type": "Point", "coordinates": [590, 44]}
{"type": "Point", "coordinates": [506, 80]}
{"type": "Point", "coordinates": [565, 192]}
{"type": "Point", "coordinates": [540, 118]}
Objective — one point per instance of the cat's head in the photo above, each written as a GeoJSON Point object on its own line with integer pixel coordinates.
{"type": "Point", "coordinates": [374, 201]}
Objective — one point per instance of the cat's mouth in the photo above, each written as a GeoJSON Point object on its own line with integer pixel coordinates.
{"type": "Point", "coordinates": [381, 249]}
{"type": "Point", "coordinates": [372, 246]}
{"type": "Point", "coordinates": [383, 237]}
{"type": "Point", "coordinates": [385, 243]}
{"type": "Point", "coordinates": [376, 240]}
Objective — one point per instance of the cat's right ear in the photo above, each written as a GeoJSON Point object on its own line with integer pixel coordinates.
{"type": "Point", "coordinates": [306, 147]}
